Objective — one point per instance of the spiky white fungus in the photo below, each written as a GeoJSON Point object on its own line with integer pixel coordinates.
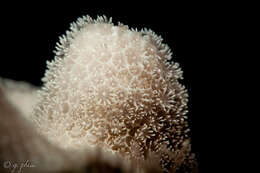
{"type": "Point", "coordinates": [116, 88]}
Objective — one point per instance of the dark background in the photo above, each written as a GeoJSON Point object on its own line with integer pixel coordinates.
{"type": "Point", "coordinates": [29, 34]}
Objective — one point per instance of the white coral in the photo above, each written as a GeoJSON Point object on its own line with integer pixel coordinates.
{"type": "Point", "coordinates": [113, 87]}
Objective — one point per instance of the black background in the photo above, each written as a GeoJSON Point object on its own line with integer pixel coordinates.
{"type": "Point", "coordinates": [29, 34]}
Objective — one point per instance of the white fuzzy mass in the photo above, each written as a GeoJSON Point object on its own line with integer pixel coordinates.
{"type": "Point", "coordinates": [116, 88]}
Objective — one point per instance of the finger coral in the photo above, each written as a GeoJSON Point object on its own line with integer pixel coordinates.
{"type": "Point", "coordinates": [118, 89]}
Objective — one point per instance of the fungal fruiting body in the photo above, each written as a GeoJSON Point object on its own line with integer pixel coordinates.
{"type": "Point", "coordinates": [115, 88]}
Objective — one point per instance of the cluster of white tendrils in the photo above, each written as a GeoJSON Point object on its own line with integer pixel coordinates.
{"type": "Point", "coordinates": [118, 89]}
